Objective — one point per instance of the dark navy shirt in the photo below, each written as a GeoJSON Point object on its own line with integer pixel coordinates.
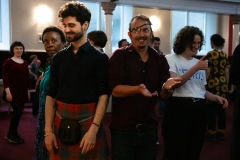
{"type": "Point", "coordinates": [34, 69]}
{"type": "Point", "coordinates": [127, 68]}
{"type": "Point", "coordinates": [78, 78]}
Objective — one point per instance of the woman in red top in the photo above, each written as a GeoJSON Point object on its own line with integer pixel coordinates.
{"type": "Point", "coordinates": [16, 82]}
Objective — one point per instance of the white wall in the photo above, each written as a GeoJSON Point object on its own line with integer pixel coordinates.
{"type": "Point", "coordinates": [24, 28]}
{"type": "Point", "coordinates": [165, 25]}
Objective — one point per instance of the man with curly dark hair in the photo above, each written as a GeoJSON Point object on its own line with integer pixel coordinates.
{"type": "Point", "coordinates": [78, 87]}
{"type": "Point", "coordinates": [184, 115]}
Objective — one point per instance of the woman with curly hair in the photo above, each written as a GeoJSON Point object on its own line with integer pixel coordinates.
{"type": "Point", "coordinates": [217, 83]}
{"type": "Point", "coordinates": [184, 115]}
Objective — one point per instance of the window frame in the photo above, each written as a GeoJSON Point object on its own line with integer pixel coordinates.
{"type": "Point", "coordinates": [4, 25]}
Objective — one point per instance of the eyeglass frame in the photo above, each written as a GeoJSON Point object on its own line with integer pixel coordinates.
{"type": "Point", "coordinates": [138, 29]}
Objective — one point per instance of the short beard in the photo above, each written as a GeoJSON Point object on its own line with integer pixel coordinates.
{"type": "Point", "coordinates": [76, 37]}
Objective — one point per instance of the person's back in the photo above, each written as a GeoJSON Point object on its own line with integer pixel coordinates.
{"type": "Point", "coordinates": [98, 39]}
{"type": "Point", "coordinates": [217, 83]}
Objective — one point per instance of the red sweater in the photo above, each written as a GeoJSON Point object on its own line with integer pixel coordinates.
{"type": "Point", "coordinates": [15, 76]}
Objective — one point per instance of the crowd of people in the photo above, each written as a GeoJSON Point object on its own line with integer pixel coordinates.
{"type": "Point", "coordinates": [73, 89]}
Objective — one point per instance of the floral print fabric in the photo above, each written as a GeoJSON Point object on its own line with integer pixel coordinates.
{"type": "Point", "coordinates": [217, 81]}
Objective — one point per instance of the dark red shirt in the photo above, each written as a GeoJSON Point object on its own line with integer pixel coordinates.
{"type": "Point", "coordinates": [16, 77]}
{"type": "Point", "coordinates": [127, 68]}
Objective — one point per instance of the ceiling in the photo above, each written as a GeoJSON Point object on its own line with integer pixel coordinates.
{"type": "Point", "coordinates": [228, 7]}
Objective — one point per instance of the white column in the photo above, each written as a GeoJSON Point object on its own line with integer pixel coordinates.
{"type": "Point", "coordinates": [108, 7]}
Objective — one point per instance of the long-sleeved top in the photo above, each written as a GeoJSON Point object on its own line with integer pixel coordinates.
{"type": "Point", "coordinates": [15, 76]}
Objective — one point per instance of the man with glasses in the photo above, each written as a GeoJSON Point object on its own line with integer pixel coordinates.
{"type": "Point", "coordinates": [136, 77]}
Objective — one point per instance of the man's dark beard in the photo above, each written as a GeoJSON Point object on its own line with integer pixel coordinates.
{"type": "Point", "coordinates": [76, 37]}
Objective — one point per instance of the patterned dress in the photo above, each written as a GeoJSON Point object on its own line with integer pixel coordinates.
{"type": "Point", "coordinates": [40, 152]}
{"type": "Point", "coordinates": [217, 82]}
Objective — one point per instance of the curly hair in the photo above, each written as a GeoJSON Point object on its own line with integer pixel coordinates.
{"type": "Point", "coordinates": [15, 44]}
{"type": "Point", "coordinates": [185, 37]}
{"type": "Point", "coordinates": [57, 30]}
{"type": "Point", "coordinates": [75, 9]}
{"type": "Point", "coordinates": [217, 40]}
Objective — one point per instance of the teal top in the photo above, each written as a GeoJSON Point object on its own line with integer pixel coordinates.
{"type": "Point", "coordinates": [40, 152]}
{"type": "Point", "coordinates": [43, 88]}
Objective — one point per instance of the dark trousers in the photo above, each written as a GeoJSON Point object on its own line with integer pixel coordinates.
{"type": "Point", "coordinates": [213, 111]}
{"type": "Point", "coordinates": [235, 138]}
{"type": "Point", "coordinates": [134, 145]}
{"type": "Point", "coordinates": [17, 112]}
{"type": "Point", "coordinates": [183, 129]}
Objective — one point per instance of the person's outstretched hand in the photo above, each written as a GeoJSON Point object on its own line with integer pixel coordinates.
{"type": "Point", "coordinates": [172, 83]}
{"type": "Point", "coordinates": [145, 92]}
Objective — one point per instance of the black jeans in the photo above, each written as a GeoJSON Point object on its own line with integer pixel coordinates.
{"type": "Point", "coordinates": [17, 112]}
{"type": "Point", "coordinates": [183, 128]}
{"type": "Point", "coordinates": [134, 145]}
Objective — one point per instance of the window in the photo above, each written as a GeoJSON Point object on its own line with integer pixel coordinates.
{"type": "Point", "coordinates": [97, 16]}
{"type": "Point", "coordinates": [4, 25]}
{"type": "Point", "coordinates": [121, 18]}
{"type": "Point", "coordinates": [182, 18]}
{"type": "Point", "coordinates": [0, 25]}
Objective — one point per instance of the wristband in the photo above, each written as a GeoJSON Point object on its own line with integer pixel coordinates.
{"type": "Point", "coordinates": [96, 124]}
{"type": "Point", "coordinates": [48, 134]}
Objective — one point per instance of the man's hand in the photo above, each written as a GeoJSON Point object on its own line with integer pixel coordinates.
{"type": "Point", "coordinates": [50, 143]}
{"type": "Point", "coordinates": [172, 83]}
{"type": "Point", "coordinates": [88, 141]}
{"type": "Point", "coordinates": [145, 92]}
{"type": "Point", "coordinates": [9, 97]}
